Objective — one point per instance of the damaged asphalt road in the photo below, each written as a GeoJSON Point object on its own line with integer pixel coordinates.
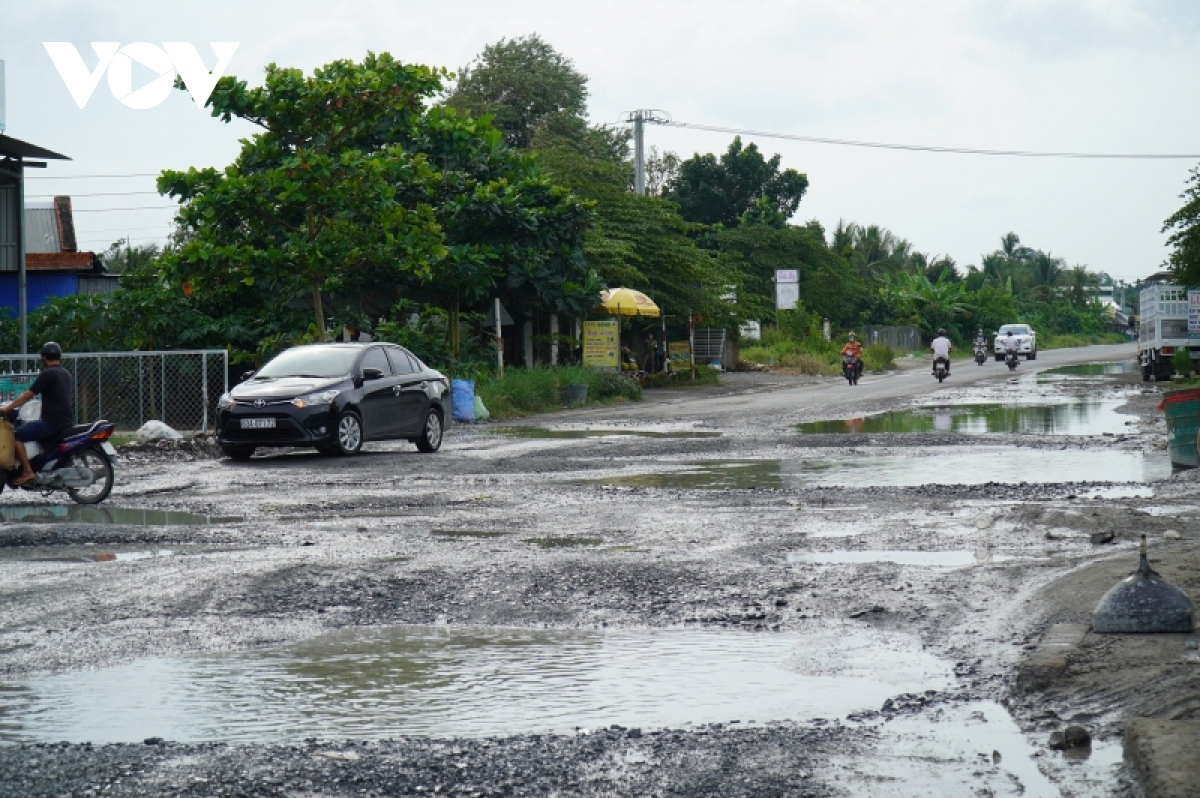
{"type": "Point", "coordinates": [904, 548]}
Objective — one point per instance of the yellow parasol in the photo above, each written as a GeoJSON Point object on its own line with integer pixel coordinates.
{"type": "Point", "coordinates": [627, 302]}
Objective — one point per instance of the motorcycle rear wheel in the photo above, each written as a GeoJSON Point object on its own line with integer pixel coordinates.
{"type": "Point", "coordinates": [101, 467]}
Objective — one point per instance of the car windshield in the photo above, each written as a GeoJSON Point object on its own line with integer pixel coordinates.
{"type": "Point", "coordinates": [1015, 329]}
{"type": "Point", "coordinates": [310, 361]}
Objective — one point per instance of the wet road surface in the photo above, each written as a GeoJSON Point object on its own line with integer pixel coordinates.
{"type": "Point", "coordinates": [585, 602]}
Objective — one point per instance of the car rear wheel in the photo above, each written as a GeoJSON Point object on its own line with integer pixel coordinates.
{"type": "Point", "coordinates": [237, 452]}
{"type": "Point", "coordinates": [431, 435]}
{"type": "Point", "coordinates": [1032, 355]}
{"type": "Point", "coordinates": [348, 438]}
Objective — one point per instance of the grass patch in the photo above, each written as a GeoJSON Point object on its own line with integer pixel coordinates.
{"type": "Point", "coordinates": [879, 357]}
{"type": "Point", "coordinates": [1067, 341]}
{"type": "Point", "coordinates": [539, 389]}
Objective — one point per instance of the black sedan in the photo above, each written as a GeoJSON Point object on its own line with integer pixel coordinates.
{"type": "Point", "coordinates": [334, 397]}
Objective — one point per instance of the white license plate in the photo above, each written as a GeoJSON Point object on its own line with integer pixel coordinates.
{"type": "Point", "coordinates": [109, 449]}
{"type": "Point", "coordinates": [258, 423]}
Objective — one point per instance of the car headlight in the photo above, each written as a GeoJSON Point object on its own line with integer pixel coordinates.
{"type": "Point", "coordinates": [320, 398]}
{"type": "Point", "coordinates": [225, 402]}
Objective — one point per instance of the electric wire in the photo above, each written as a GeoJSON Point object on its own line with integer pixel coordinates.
{"type": "Point", "coordinates": [138, 208]}
{"type": "Point", "coordinates": [932, 148]}
{"type": "Point", "coordinates": [88, 177]}
{"type": "Point", "coordinates": [98, 194]}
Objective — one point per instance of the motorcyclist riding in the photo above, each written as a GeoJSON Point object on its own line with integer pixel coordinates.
{"type": "Point", "coordinates": [1010, 344]}
{"type": "Point", "coordinates": [56, 387]}
{"type": "Point", "coordinates": [854, 349]}
{"type": "Point", "coordinates": [941, 347]}
{"type": "Point", "coordinates": [980, 338]}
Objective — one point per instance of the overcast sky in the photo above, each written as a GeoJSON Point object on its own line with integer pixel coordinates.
{"type": "Point", "coordinates": [1061, 75]}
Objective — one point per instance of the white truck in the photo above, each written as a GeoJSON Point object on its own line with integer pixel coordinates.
{"type": "Point", "coordinates": [1162, 329]}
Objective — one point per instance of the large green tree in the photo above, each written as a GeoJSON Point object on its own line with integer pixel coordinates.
{"type": "Point", "coordinates": [1184, 238]}
{"type": "Point", "coordinates": [712, 190]}
{"type": "Point", "coordinates": [522, 84]}
{"type": "Point", "coordinates": [357, 193]}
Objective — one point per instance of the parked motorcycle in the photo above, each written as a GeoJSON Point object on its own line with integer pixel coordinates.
{"type": "Point", "coordinates": [941, 368]}
{"type": "Point", "coordinates": [1011, 359]}
{"type": "Point", "coordinates": [980, 354]}
{"type": "Point", "coordinates": [852, 368]}
{"type": "Point", "coordinates": [79, 460]}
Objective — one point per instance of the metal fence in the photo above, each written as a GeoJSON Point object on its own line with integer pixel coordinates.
{"type": "Point", "coordinates": [180, 388]}
{"type": "Point", "coordinates": [902, 339]}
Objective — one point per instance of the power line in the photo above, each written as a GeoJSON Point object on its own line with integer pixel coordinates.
{"type": "Point", "coordinates": [138, 208]}
{"type": "Point", "coordinates": [88, 177]}
{"type": "Point", "coordinates": [931, 148]}
{"type": "Point", "coordinates": [124, 229]}
{"type": "Point", "coordinates": [100, 194]}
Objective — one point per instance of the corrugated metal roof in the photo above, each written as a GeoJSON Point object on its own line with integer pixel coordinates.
{"type": "Point", "coordinates": [41, 228]}
{"type": "Point", "coordinates": [23, 149]}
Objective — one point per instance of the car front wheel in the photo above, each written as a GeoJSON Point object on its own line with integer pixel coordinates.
{"type": "Point", "coordinates": [349, 434]}
{"type": "Point", "coordinates": [431, 435]}
{"type": "Point", "coordinates": [237, 452]}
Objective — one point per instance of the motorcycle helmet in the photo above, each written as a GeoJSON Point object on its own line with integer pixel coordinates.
{"type": "Point", "coordinates": [851, 336]}
{"type": "Point", "coordinates": [51, 351]}
{"type": "Point", "coordinates": [941, 331]}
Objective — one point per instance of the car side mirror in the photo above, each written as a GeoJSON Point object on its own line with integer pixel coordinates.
{"type": "Point", "coordinates": [248, 374]}
{"type": "Point", "coordinates": [372, 374]}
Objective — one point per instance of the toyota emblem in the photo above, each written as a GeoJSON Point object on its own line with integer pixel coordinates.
{"type": "Point", "coordinates": [260, 403]}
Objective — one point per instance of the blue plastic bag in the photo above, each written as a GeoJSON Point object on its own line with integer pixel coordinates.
{"type": "Point", "coordinates": [462, 400]}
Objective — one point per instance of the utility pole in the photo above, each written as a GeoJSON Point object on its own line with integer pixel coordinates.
{"type": "Point", "coordinates": [639, 119]}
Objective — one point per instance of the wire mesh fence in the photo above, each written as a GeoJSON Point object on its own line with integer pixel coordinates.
{"type": "Point", "coordinates": [902, 339]}
{"type": "Point", "coordinates": [179, 388]}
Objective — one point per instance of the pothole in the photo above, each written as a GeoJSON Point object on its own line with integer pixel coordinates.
{"type": "Point", "coordinates": [104, 515]}
{"type": "Point", "coordinates": [386, 682]}
{"type": "Point", "coordinates": [564, 542]}
{"type": "Point", "coordinates": [467, 533]}
{"type": "Point", "coordinates": [560, 432]}
{"type": "Point", "coordinates": [1064, 418]}
{"type": "Point", "coordinates": [930, 559]}
{"type": "Point", "coordinates": [1008, 467]}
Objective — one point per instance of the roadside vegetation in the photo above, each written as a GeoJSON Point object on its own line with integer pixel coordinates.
{"type": "Point", "coordinates": [399, 200]}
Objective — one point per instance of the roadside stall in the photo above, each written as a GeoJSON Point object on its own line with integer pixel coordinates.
{"type": "Point", "coordinates": [602, 339]}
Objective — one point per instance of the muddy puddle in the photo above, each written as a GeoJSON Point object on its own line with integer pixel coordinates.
{"type": "Point", "coordinates": [385, 682]}
{"type": "Point", "coordinates": [80, 554]}
{"type": "Point", "coordinates": [1064, 418]}
{"type": "Point", "coordinates": [927, 559]}
{"type": "Point", "coordinates": [481, 534]}
{"type": "Point", "coordinates": [976, 466]}
{"type": "Point", "coordinates": [917, 754]}
{"type": "Point", "coordinates": [116, 516]}
{"type": "Point", "coordinates": [1091, 369]}
{"type": "Point", "coordinates": [559, 432]}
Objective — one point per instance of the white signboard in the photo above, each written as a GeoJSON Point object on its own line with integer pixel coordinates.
{"type": "Point", "coordinates": [787, 296]}
{"type": "Point", "coordinates": [1193, 313]}
{"type": "Point", "coordinates": [787, 275]}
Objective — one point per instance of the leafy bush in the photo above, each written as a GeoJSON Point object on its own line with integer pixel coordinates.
{"type": "Point", "coordinates": [539, 389]}
{"type": "Point", "coordinates": [1182, 361]}
{"type": "Point", "coordinates": [879, 357]}
{"type": "Point", "coordinates": [706, 376]}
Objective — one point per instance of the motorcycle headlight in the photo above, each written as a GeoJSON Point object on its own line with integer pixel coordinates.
{"type": "Point", "coordinates": [225, 402]}
{"type": "Point", "coordinates": [313, 399]}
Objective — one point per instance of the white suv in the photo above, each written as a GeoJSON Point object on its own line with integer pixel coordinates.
{"type": "Point", "coordinates": [1026, 340]}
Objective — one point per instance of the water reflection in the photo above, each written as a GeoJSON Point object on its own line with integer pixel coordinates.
{"type": "Point", "coordinates": [1008, 465]}
{"type": "Point", "coordinates": [122, 516]}
{"type": "Point", "coordinates": [376, 683]}
{"type": "Point", "coordinates": [1067, 418]}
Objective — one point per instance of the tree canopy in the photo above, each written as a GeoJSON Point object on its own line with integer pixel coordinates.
{"type": "Point", "coordinates": [1184, 238]}
{"type": "Point", "coordinates": [712, 190]}
{"type": "Point", "coordinates": [357, 189]}
{"type": "Point", "coordinates": [521, 83]}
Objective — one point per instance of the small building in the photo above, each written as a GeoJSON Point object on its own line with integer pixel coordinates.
{"type": "Point", "coordinates": [54, 266]}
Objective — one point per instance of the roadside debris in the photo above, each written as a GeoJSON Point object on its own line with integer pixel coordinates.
{"type": "Point", "coordinates": [157, 431]}
{"type": "Point", "coordinates": [1144, 602]}
{"type": "Point", "coordinates": [1072, 737]}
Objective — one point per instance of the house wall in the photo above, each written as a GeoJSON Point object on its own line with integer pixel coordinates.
{"type": "Point", "coordinates": [39, 287]}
